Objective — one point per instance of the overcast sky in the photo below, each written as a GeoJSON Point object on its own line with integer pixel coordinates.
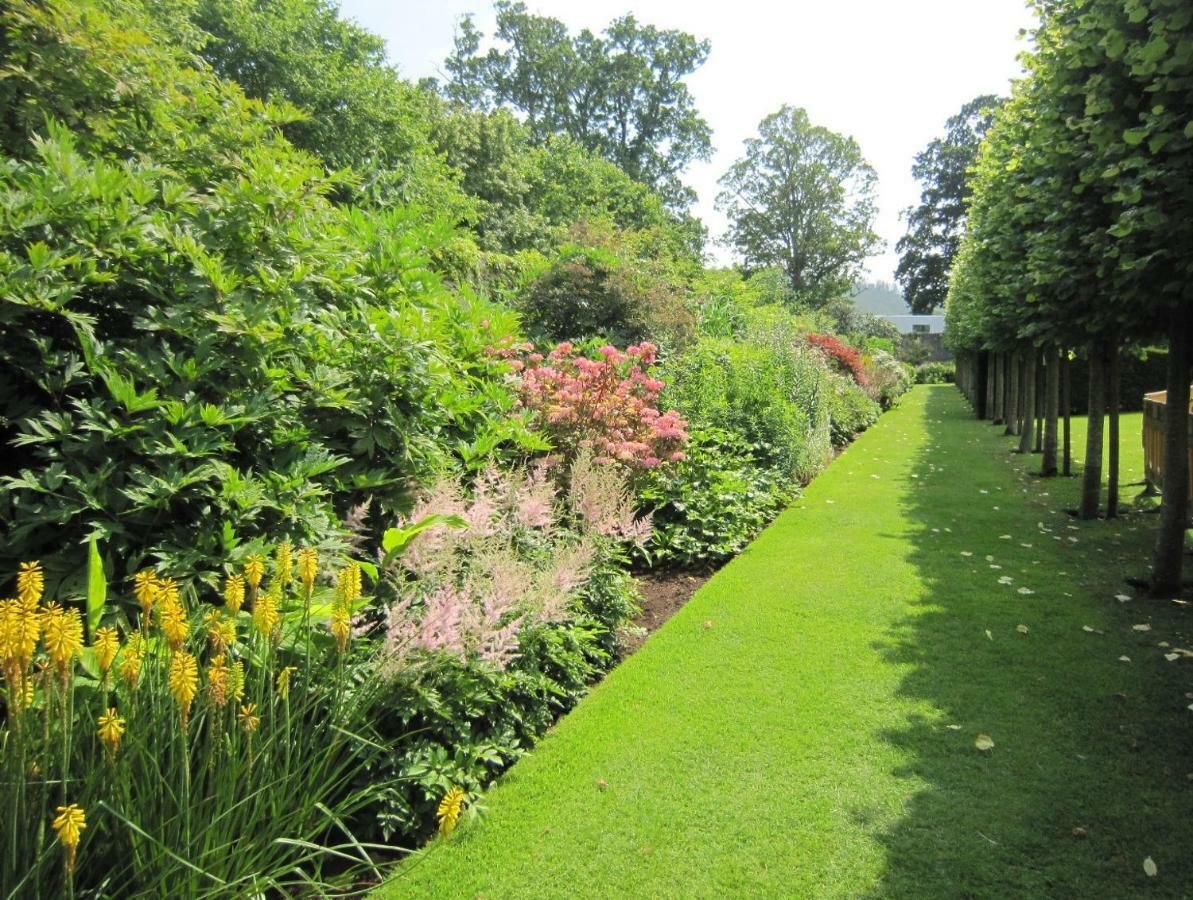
{"type": "Point", "coordinates": [886, 72]}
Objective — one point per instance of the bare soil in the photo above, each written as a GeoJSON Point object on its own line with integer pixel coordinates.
{"type": "Point", "coordinates": [663, 594]}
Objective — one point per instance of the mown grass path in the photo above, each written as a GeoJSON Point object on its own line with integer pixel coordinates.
{"type": "Point", "coordinates": [805, 726]}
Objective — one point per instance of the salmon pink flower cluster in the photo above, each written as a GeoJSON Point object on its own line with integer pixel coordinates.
{"type": "Point", "coordinates": [607, 404]}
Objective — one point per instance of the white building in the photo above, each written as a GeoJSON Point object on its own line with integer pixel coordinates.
{"type": "Point", "coordinates": [918, 324]}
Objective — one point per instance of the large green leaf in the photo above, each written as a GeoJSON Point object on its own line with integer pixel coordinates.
{"type": "Point", "coordinates": [97, 586]}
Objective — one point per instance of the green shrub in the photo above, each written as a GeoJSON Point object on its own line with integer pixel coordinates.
{"type": "Point", "coordinates": [851, 410]}
{"type": "Point", "coordinates": [773, 398]}
{"type": "Point", "coordinates": [197, 348]}
{"type": "Point", "coordinates": [601, 286]}
{"type": "Point", "coordinates": [936, 373]}
{"type": "Point", "coordinates": [710, 505]}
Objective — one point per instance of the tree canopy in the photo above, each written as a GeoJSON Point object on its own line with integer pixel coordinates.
{"type": "Point", "coordinates": [620, 94]}
{"type": "Point", "coordinates": [935, 225]}
{"type": "Point", "coordinates": [802, 198]}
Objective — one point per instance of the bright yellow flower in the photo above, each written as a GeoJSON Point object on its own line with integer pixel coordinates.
{"type": "Point", "coordinates": [254, 570]}
{"type": "Point", "coordinates": [175, 625]}
{"type": "Point", "coordinates": [249, 720]}
{"type": "Point", "coordinates": [265, 615]}
{"type": "Point", "coordinates": [63, 630]}
{"type": "Point", "coordinates": [20, 626]}
{"type": "Point", "coordinates": [341, 627]}
{"type": "Point", "coordinates": [106, 646]}
{"type": "Point", "coordinates": [234, 592]}
{"type": "Point", "coordinates": [31, 583]}
{"type": "Point", "coordinates": [111, 729]}
{"type": "Point", "coordinates": [145, 589]}
{"type": "Point", "coordinates": [349, 587]}
{"type": "Point", "coordinates": [283, 565]}
{"type": "Point", "coordinates": [449, 810]}
{"type": "Point", "coordinates": [284, 681]}
{"type": "Point", "coordinates": [236, 680]}
{"type": "Point", "coordinates": [220, 631]}
{"type": "Point", "coordinates": [308, 567]}
{"type": "Point", "coordinates": [184, 682]}
{"type": "Point", "coordinates": [217, 680]}
{"type": "Point", "coordinates": [69, 825]}
{"type": "Point", "coordinates": [130, 666]}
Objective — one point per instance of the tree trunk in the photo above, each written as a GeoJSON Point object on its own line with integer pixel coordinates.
{"type": "Point", "coordinates": [1051, 410]}
{"type": "Point", "coordinates": [996, 417]}
{"type": "Point", "coordinates": [988, 405]}
{"type": "Point", "coordinates": [1029, 402]}
{"type": "Point", "coordinates": [1091, 485]}
{"type": "Point", "coordinates": [1013, 397]}
{"type": "Point", "coordinates": [1168, 559]}
{"type": "Point", "coordinates": [1113, 401]}
{"type": "Point", "coordinates": [1039, 447]}
{"type": "Point", "coordinates": [1066, 406]}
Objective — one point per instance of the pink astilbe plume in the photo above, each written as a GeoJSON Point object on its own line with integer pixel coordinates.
{"type": "Point", "coordinates": [601, 498]}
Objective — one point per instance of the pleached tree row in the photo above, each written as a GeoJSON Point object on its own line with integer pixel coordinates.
{"type": "Point", "coordinates": [1077, 244]}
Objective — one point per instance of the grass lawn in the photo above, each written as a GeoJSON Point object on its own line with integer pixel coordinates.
{"type": "Point", "coordinates": [805, 726]}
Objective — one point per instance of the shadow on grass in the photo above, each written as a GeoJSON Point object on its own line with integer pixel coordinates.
{"type": "Point", "coordinates": [1090, 772]}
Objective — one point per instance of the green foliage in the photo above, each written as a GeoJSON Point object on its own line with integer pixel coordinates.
{"type": "Point", "coordinates": [773, 398]}
{"type": "Point", "coordinates": [709, 506]}
{"type": "Point", "coordinates": [620, 94]}
{"type": "Point", "coordinates": [936, 373]}
{"type": "Point", "coordinates": [620, 287]}
{"type": "Point", "coordinates": [198, 347]}
{"type": "Point", "coordinates": [935, 226]}
{"type": "Point", "coordinates": [851, 410]}
{"type": "Point", "coordinates": [802, 198]}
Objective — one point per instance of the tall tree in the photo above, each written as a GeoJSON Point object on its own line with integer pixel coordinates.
{"type": "Point", "coordinates": [802, 198]}
{"type": "Point", "coordinates": [621, 93]}
{"type": "Point", "coordinates": [935, 226]}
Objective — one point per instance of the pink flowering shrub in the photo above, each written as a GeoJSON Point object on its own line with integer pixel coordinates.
{"type": "Point", "coordinates": [608, 405]}
{"type": "Point", "coordinates": [524, 559]}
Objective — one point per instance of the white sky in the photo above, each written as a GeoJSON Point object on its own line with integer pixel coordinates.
{"type": "Point", "coordinates": [886, 72]}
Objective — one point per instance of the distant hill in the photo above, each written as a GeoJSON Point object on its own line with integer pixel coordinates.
{"type": "Point", "coordinates": [880, 298]}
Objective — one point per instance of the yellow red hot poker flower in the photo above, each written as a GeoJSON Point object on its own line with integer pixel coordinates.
{"type": "Point", "coordinates": [31, 583]}
{"type": "Point", "coordinates": [234, 592]}
{"type": "Point", "coordinates": [111, 729]}
{"type": "Point", "coordinates": [184, 682]}
{"type": "Point", "coordinates": [254, 571]}
{"type": "Point", "coordinates": [63, 635]}
{"type": "Point", "coordinates": [146, 590]}
{"type": "Point", "coordinates": [69, 825]}
{"type": "Point", "coordinates": [283, 565]}
{"type": "Point", "coordinates": [106, 646]}
{"type": "Point", "coordinates": [308, 568]}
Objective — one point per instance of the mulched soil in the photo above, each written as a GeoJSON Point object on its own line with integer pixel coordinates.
{"type": "Point", "coordinates": [662, 596]}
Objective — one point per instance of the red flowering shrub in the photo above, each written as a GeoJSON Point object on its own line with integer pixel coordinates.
{"type": "Point", "coordinates": [608, 404]}
{"type": "Point", "coordinates": [847, 359]}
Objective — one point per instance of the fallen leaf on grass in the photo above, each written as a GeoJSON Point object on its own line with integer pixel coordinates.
{"type": "Point", "coordinates": [1022, 629]}
{"type": "Point", "coordinates": [967, 553]}
{"type": "Point", "coordinates": [1141, 627]}
{"type": "Point", "coordinates": [1005, 579]}
{"type": "Point", "coordinates": [1026, 591]}
{"type": "Point", "coordinates": [1080, 832]}
{"type": "Point", "coordinates": [953, 727]}
{"type": "Point", "coordinates": [989, 636]}
{"type": "Point", "coordinates": [1149, 867]}
{"type": "Point", "coordinates": [1124, 659]}
{"type": "Point", "coordinates": [707, 623]}
{"type": "Point", "coordinates": [1092, 630]}
{"type": "Point", "coordinates": [602, 784]}
{"type": "Point", "coordinates": [984, 742]}
{"type": "Point", "coordinates": [1122, 598]}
